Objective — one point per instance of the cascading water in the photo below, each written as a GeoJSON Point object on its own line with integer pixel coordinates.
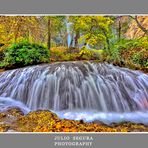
{"type": "Point", "coordinates": [68, 35]}
{"type": "Point", "coordinates": [80, 90]}
{"type": "Point", "coordinates": [6, 103]}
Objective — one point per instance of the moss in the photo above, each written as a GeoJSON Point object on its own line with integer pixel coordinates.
{"type": "Point", "coordinates": [46, 121]}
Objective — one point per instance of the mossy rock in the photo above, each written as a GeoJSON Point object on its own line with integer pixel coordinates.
{"type": "Point", "coordinates": [46, 121]}
{"type": "Point", "coordinates": [7, 117]}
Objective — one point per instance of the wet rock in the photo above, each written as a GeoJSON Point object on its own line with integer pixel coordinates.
{"type": "Point", "coordinates": [2, 115]}
{"type": "Point", "coordinates": [46, 121]}
{"type": "Point", "coordinates": [4, 127]}
{"type": "Point", "coordinates": [16, 112]}
{"type": "Point", "coordinates": [13, 120]}
{"type": "Point", "coordinates": [7, 117]}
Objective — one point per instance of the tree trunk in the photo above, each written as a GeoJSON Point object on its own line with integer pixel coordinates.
{"type": "Point", "coordinates": [27, 35]}
{"type": "Point", "coordinates": [49, 34]}
{"type": "Point", "coordinates": [76, 38]}
{"type": "Point", "coordinates": [119, 31]}
{"type": "Point", "coordinates": [16, 32]}
{"type": "Point", "coordinates": [139, 25]}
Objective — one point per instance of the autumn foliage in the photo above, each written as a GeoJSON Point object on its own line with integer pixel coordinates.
{"type": "Point", "coordinates": [46, 121]}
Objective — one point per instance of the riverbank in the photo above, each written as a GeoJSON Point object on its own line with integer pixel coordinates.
{"type": "Point", "coordinates": [13, 120]}
{"type": "Point", "coordinates": [115, 63]}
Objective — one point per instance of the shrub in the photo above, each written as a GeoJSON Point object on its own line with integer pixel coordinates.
{"type": "Point", "coordinates": [140, 57]}
{"type": "Point", "coordinates": [24, 53]}
{"type": "Point", "coordinates": [72, 54]}
{"type": "Point", "coordinates": [63, 54]}
{"type": "Point", "coordinates": [134, 51]}
{"type": "Point", "coordinates": [90, 54]}
{"type": "Point", "coordinates": [57, 53]}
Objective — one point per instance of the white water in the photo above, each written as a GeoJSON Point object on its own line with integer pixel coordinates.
{"type": "Point", "coordinates": [107, 118]}
{"type": "Point", "coordinates": [80, 90]}
{"type": "Point", "coordinates": [69, 38]}
{"type": "Point", "coordinates": [6, 103]}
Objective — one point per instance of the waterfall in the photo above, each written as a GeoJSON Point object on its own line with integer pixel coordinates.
{"type": "Point", "coordinates": [80, 90]}
{"type": "Point", "coordinates": [69, 38]}
{"type": "Point", "coordinates": [6, 103]}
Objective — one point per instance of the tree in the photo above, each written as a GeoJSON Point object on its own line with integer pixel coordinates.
{"type": "Point", "coordinates": [55, 28]}
{"type": "Point", "coordinates": [18, 27]}
{"type": "Point", "coordinates": [139, 24]}
{"type": "Point", "coordinates": [40, 29]}
{"type": "Point", "coordinates": [94, 30]}
{"type": "Point", "coordinates": [49, 33]}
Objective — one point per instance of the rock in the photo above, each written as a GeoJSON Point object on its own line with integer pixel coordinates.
{"type": "Point", "coordinates": [13, 120]}
{"type": "Point", "coordinates": [4, 127]}
{"type": "Point", "coordinates": [7, 117]}
{"type": "Point", "coordinates": [46, 121]}
{"type": "Point", "coordinates": [16, 112]}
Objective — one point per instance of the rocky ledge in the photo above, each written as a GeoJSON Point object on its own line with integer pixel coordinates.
{"type": "Point", "coordinates": [13, 120]}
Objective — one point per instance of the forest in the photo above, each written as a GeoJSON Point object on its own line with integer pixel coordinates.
{"type": "Point", "coordinates": [74, 73]}
{"type": "Point", "coordinates": [118, 39]}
